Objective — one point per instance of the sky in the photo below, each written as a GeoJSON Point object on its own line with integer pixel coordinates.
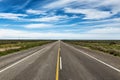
{"type": "Point", "coordinates": [60, 19]}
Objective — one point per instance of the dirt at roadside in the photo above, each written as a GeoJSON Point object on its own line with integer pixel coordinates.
{"type": "Point", "coordinates": [9, 48]}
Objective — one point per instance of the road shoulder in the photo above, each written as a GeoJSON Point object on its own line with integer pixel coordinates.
{"type": "Point", "coordinates": [107, 58]}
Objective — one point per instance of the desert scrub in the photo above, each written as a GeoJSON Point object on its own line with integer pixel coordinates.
{"type": "Point", "coordinates": [108, 46]}
{"type": "Point", "coordinates": [10, 46]}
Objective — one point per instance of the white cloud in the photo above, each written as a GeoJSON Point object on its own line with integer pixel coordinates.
{"type": "Point", "coordinates": [89, 7]}
{"type": "Point", "coordinates": [105, 26]}
{"type": "Point", "coordinates": [25, 4]}
{"type": "Point", "coordinates": [11, 15]}
{"type": "Point", "coordinates": [114, 5]}
{"type": "Point", "coordinates": [89, 13]}
{"type": "Point", "coordinates": [37, 12]}
{"type": "Point", "coordinates": [16, 34]}
{"type": "Point", "coordinates": [38, 25]}
{"type": "Point", "coordinates": [20, 34]}
{"type": "Point", "coordinates": [58, 3]}
{"type": "Point", "coordinates": [109, 30]}
{"type": "Point", "coordinates": [49, 18]}
{"type": "Point", "coordinates": [113, 20]}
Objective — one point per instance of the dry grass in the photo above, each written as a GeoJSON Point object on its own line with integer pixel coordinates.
{"type": "Point", "coordinates": [108, 46]}
{"type": "Point", "coordinates": [10, 46]}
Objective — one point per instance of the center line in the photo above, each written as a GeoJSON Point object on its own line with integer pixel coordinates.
{"type": "Point", "coordinates": [60, 63]}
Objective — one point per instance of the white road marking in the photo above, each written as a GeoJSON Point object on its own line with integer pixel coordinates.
{"type": "Point", "coordinates": [118, 70]}
{"type": "Point", "coordinates": [20, 61]}
{"type": "Point", "coordinates": [60, 63]}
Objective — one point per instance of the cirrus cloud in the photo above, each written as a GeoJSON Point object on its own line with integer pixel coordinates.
{"type": "Point", "coordinates": [89, 13]}
{"type": "Point", "coordinates": [36, 12]}
{"type": "Point", "coordinates": [49, 18]}
{"type": "Point", "coordinates": [38, 25]}
{"type": "Point", "coordinates": [21, 34]}
{"type": "Point", "coordinates": [11, 15]}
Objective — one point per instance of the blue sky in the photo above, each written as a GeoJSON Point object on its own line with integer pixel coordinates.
{"type": "Point", "coordinates": [59, 19]}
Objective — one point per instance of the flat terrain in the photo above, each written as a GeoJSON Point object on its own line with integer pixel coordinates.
{"type": "Point", "coordinates": [59, 61]}
{"type": "Point", "coordinates": [107, 46]}
{"type": "Point", "coordinates": [10, 46]}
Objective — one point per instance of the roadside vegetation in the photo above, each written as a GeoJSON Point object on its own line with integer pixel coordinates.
{"type": "Point", "coordinates": [108, 46]}
{"type": "Point", "coordinates": [10, 46]}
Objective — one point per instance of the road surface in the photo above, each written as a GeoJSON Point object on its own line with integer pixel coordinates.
{"type": "Point", "coordinates": [58, 61]}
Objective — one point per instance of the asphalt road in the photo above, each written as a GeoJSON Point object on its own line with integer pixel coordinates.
{"type": "Point", "coordinates": [57, 61]}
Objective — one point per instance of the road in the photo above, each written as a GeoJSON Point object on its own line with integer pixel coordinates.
{"type": "Point", "coordinates": [58, 61]}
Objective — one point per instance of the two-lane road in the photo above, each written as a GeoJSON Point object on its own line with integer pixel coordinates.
{"type": "Point", "coordinates": [40, 65]}
{"type": "Point", "coordinates": [78, 66]}
{"type": "Point", "coordinates": [59, 61]}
